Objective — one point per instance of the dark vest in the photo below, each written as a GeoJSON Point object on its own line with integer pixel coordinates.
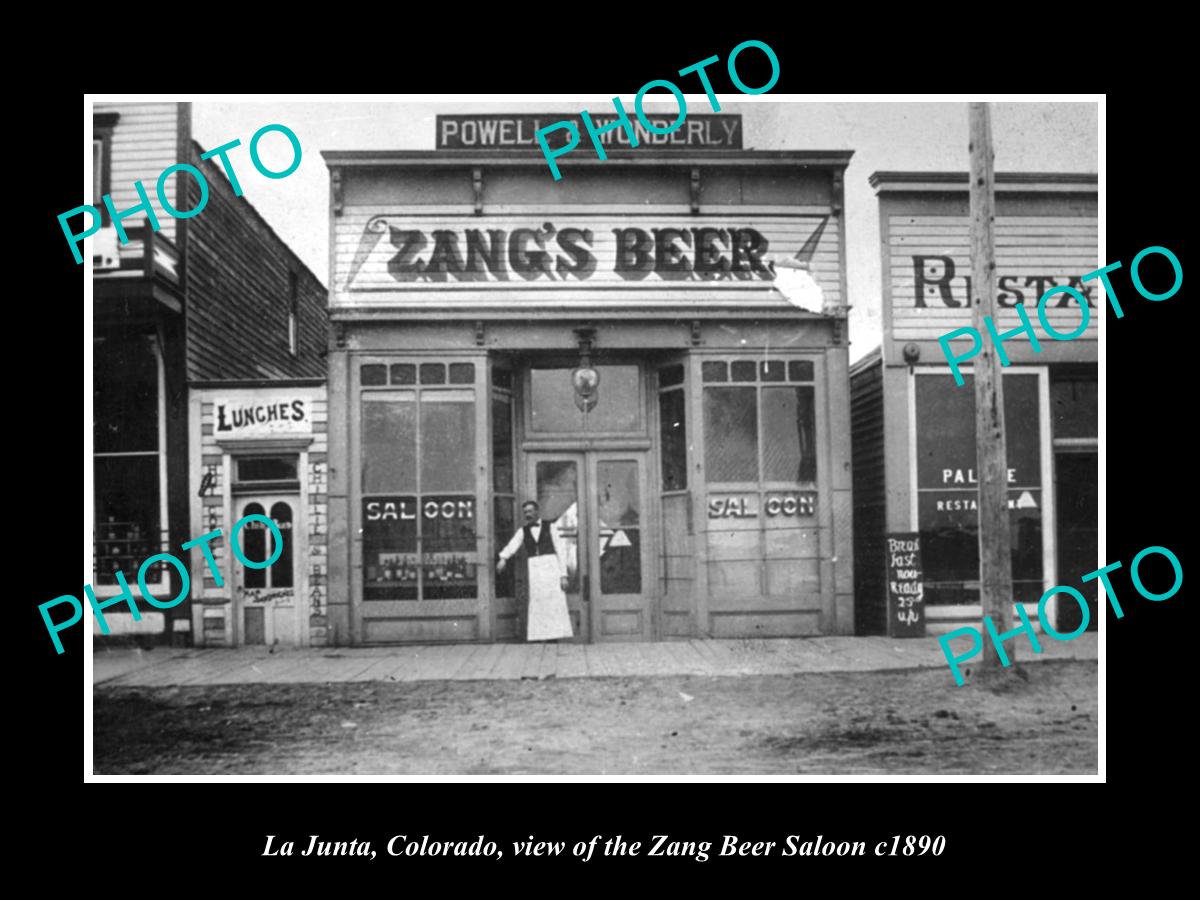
{"type": "Point", "coordinates": [543, 544]}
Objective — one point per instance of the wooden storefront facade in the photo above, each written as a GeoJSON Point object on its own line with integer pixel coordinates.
{"type": "Point", "coordinates": [914, 438]}
{"type": "Point", "coordinates": [698, 469]}
{"type": "Point", "coordinates": [206, 310]}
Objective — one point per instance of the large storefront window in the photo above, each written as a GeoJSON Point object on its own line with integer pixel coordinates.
{"type": "Point", "coordinates": [948, 490]}
{"type": "Point", "coordinates": [127, 457]}
{"type": "Point", "coordinates": [418, 482]}
{"type": "Point", "coordinates": [759, 422]}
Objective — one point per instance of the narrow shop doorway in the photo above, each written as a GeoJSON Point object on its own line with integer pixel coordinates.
{"type": "Point", "coordinates": [264, 605]}
{"type": "Point", "coordinates": [594, 501]}
{"type": "Point", "coordinates": [1076, 480]}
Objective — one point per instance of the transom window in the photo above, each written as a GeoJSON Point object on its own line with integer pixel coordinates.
{"type": "Point", "coordinates": [618, 407]}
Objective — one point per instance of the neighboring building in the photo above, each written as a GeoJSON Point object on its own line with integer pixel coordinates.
{"type": "Point", "coordinates": [914, 430]}
{"type": "Point", "coordinates": [702, 485]}
{"type": "Point", "coordinates": [210, 313]}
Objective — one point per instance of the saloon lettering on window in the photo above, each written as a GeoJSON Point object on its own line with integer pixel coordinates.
{"type": "Point", "coordinates": [406, 509]}
{"type": "Point", "coordinates": [746, 506]}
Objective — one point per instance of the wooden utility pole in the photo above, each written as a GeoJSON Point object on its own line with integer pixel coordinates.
{"type": "Point", "coordinates": [995, 540]}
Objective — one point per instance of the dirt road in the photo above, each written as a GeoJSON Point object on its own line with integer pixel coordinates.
{"type": "Point", "coordinates": [898, 722]}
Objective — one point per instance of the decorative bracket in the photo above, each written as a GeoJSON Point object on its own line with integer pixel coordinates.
{"type": "Point", "coordinates": [837, 191]}
{"type": "Point", "coordinates": [695, 190]}
{"type": "Point", "coordinates": [696, 339]}
{"type": "Point", "coordinates": [477, 180]}
{"type": "Point", "coordinates": [335, 183]}
{"type": "Point", "coordinates": [479, 334]}
{"type": "Point", "coordinates": [339, 335]}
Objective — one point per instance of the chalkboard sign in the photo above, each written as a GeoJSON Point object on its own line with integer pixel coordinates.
{"type": "Point", "coordinates": [905, 585]}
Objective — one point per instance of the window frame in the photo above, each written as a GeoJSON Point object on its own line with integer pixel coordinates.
{"type": "Point", "coordinates": [163, 582]}
{"type": "Point", "coordinates": [366, 393]}
{"type": "Point", "coordinates": [102, 133]}
{"type": "Point", "coordinates": [761, 484]}
{"type": "Point", "coordinates": [939, 612]}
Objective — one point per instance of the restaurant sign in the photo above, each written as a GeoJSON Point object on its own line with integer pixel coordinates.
{"type": "Point", "coordinates": [492, 131]}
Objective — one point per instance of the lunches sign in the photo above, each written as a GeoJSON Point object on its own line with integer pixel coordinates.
{"type": "Point", "coordinates": [504, 131]}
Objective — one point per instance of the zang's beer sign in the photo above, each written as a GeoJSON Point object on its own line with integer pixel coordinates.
{"type": "Point", "coordinates": [402, 251]}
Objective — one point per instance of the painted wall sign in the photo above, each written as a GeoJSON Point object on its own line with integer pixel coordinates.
{"type": "Point", "coordinates": [929, 271]}
{"type": "Point", "coordinates": [385, 251]}
{"type": "Point", "coordinates": [516, 131]}
{"type": "Point", "coordinates": [905, 586]}
{"type": "Point", "coordinates": [259, 416]}
{"type": "Point", "coordinates": [774, 504]}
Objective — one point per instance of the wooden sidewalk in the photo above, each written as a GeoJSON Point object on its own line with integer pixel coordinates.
{"type": "Point", "coordinates": [538, 661]}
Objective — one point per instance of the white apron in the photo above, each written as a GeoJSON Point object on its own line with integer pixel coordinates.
{"type": "Point", "coordinates": [548, 617]}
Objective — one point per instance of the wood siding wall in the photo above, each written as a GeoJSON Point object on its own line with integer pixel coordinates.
{"type": "Point", "coordinates": [145, 141]}
{"type": "Point", "coordinates": [1042, 240]}
{"type": "Point", "coordinates": [866, 416]}
{"type": "Point", "coordinates": [238, 292]}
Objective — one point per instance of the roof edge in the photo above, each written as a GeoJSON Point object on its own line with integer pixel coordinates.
{"type": "Point", "coordinates": [831, 158]}
{"type": "Point", "coordinates": [909, 181]}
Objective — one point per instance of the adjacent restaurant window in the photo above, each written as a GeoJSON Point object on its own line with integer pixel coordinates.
{"type": "Point", "coordinates": [418, 481]}
{"type": "Point", "coordinates": [947, 482]}
{"type": "Point", "coordinates": [759, 422]}
{"type": "Point", "coordinates": [127, 458]}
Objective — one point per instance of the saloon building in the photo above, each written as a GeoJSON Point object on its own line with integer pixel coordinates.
{"type": "Point", "coordinates": [914, 429]}
{"type": "Point", "coordinates": [615, 345]}
{"type": "Point", "coordinates": [208, 385]}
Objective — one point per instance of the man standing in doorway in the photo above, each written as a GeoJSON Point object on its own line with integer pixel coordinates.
{"type": "Point", "coordinates": [548, 619]}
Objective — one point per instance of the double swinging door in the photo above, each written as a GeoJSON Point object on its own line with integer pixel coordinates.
{"type": "Point", "coordinates": [595, 501]}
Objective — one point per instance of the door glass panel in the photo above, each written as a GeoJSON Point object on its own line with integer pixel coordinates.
{"type": "Point", "coordinates": [254, 547]}
{"type": "Point", "coordinates": [558, 497]}
{"type": "Point", "coordinates": [618, 506]}
{"type": "Point", "coordinates": [281, 571]}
